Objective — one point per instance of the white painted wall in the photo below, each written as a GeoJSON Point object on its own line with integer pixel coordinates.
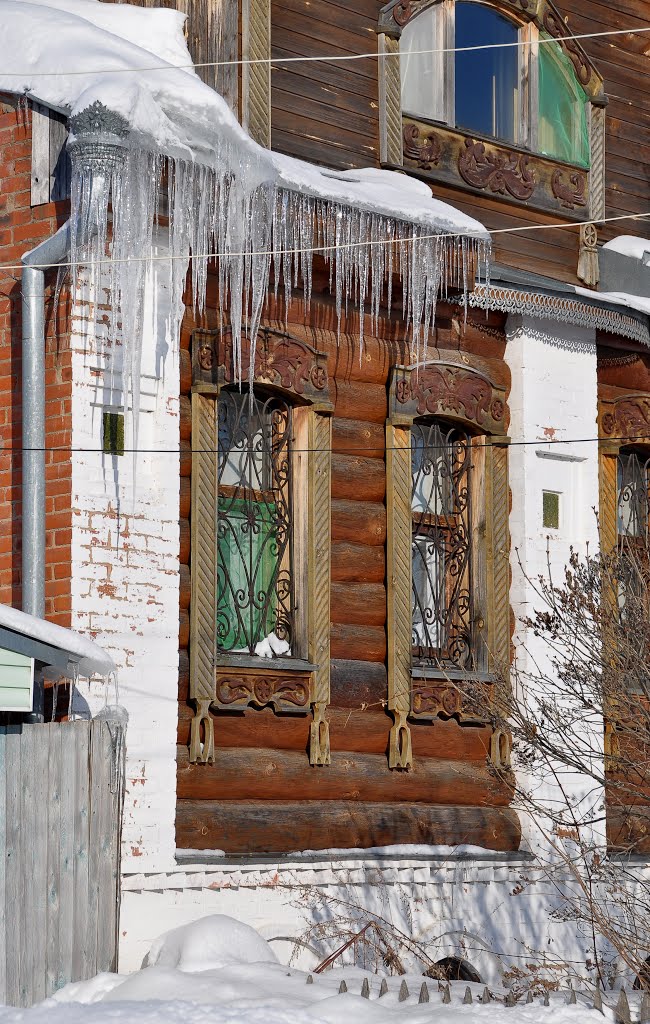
{"type": "Point", "coordinates": [125, 569]}
{"type": "Point", "coordinates": [553, 399]}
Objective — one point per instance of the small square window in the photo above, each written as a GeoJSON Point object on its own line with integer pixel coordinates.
{"type": "Point", "coordinates": [551, 510]}
{"type": "Point", "coordinates": [113, 433]}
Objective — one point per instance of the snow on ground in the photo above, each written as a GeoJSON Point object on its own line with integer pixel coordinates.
{"type": "Point", "coordinates": [220, 971]}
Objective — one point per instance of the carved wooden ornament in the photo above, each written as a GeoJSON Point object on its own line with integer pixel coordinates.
{"type": "Point", "coordinates": [445, 388]}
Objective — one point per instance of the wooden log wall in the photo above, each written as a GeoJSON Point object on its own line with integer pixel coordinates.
{"type": "Point", "coordinates": [260, 795]}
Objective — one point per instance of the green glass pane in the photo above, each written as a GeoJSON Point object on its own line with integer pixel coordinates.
{"type": "Point", "coordinates": [248, 560]}
{"type": "Point", "coordinates": [551, 510]}
{"type": "Point", "coordinates": [562, 125]}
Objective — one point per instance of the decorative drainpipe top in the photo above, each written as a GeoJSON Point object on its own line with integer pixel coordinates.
{"type": "Point", "coordinates": [97, 138]}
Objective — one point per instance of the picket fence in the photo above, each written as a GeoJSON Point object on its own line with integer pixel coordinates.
{"type": "Point", "coordinates": [61, 797]}
{"type": "Point", "coordinates": [618, 1003]}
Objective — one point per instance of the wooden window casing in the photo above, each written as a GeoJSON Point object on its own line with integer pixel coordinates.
{"type": "Point", "coordinates": [456, 394]}
{"type": "Point", "coordinates": [299, 684]}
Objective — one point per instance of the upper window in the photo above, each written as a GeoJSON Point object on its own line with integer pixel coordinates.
{"type": "Point", "coordinates": [442, 605]}
{"type": "Point", "coordinates": [522, 91]}
{"type": "Point", "coordinates": [255, 606]}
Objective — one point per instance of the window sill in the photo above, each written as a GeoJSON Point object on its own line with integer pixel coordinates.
{"type": "Point", "coordinates": [451, 675]}
{"type": "Point", "coordinates": [272, 664]}
{"type": "Point", "coordinates": [436, 693]}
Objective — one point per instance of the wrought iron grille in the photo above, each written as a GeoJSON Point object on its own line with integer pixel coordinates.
{"type": "Point", "coordinates": [254, 520]}
{"type": "Point", "coordinates": [442, 613]}
{"type": "Point", "coordinates": [633, 485]}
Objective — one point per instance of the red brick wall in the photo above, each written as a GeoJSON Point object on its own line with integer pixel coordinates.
{"type": "Point", "coordinates": [21, 228]}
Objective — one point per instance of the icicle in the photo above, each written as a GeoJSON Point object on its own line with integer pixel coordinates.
{"type": "Point", "coordinates": [227, 208]}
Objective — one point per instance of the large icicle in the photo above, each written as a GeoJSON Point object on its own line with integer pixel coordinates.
{"type": "Point", "coordinates": [254, 222]}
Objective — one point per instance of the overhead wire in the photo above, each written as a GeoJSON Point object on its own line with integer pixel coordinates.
{"type": "Point", "coordinates": [320, 249]}
{"type": "Point", "coordinates": [343, 449]}
{"type": "Point", "coordinates": [328, 58]}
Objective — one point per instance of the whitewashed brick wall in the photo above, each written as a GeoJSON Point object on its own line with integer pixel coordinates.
{"type": "Point", "coordinates": [125, 570]}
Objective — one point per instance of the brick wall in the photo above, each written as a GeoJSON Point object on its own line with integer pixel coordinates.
{"type": "Point", "coordinates": [21, 228]}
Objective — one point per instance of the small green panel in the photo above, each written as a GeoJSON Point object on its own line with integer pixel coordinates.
{"type": "Point", "coordinates": [113, 433]}
{"type": "Point", "coordinates": [16, 677]}
{"type": "Point", "coordinates": [551, 510]}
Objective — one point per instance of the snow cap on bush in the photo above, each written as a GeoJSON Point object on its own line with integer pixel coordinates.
{"type": "Point", "coordinates": [208, 944]}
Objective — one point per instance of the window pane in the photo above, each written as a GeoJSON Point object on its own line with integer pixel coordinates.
{"type": "Point", "coordinates": [551, 510]}
{"type": "Point", "coordinates": [633, 479]}
{"type": "Point", "coordinates": [441, 547]}
{"type": "Point", "coordinates": [254, 571]}
{"type": "Point", "coordinates": [487, 81]}
{"type": "Point", "coordinates": [422, 72]}
{"type": "Point", "coordinates": [562, 127]}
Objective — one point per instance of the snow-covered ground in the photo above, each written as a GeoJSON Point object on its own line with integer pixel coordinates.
{"type": "Point", "coordinates": [220, 971]}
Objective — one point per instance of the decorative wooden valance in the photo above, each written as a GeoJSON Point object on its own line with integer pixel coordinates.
{"type": "Point", "coordinates": [281, 361]}
{"type": "Point", "coordinates": [625, 420]}
{"type": "Point", "coordinates": [433, 698]}
{"type": "Point", "coordinates": [495, 169]}
{"type": "Point", "coordinates": [262, 687]}
{"type": "Point", "coordinates": [446, 387]}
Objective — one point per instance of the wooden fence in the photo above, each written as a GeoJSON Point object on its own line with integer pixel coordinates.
{"type": "Point", "coordinates": [61, 796]}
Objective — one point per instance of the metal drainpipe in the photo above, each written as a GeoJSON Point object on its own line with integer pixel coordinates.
{"type": "Point", "coordinates": [47, 254]}
{"type": "Point", "coordinates": [96, 148]}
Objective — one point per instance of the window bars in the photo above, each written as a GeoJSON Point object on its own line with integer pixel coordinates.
{"type": "Point", "coordinates": [254, 521]}
{"type": "Point", "coordinates": [442, 603]}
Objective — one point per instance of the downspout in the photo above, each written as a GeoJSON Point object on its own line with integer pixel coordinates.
{"type": "Point", "coordinates": [96, 146]}
{"type": "Point", "coordinates": [47, 254]}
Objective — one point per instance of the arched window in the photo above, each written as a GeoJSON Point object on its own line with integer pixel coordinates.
{"type": "Point", "coordinates": [633, 482]}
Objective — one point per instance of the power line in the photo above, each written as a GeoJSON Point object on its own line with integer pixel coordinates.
{"type": "Point", "coordinates": [345, 57]}
{"type": "Point", "coordinates": [343, 450]}
{"type": "Point", "coordinates": [412, 240]}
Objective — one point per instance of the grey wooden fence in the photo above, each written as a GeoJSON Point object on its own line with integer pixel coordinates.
{"type": "Point", "coordinates": [61, 796]}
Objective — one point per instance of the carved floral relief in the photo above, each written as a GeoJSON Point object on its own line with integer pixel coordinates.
{"type": "Point", "coordinates": [496, 170]}
{"type": "Point", "coordinates": [240, 689]}
{"type": "Point", "coordinates": [441, 388]}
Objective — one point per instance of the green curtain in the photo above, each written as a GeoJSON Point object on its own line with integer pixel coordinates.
{"type": "Point", "coordinates": [247, 570]}
{"type": "Point", "coordinates": [562, 125]}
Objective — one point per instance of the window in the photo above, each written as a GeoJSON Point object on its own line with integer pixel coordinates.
{"type": "Point", "coordinates": [488, 92]}
{"type": "Point", "coordinates": [550, 510]}
{"type": "Point", "coordinates": [254, 524]}
{"type": "Point", "coordinates": [633, 479]}
{"type": "Point", "coordinates": [442, 582]}
{"type": "Point", "coordinates": [447, 552]}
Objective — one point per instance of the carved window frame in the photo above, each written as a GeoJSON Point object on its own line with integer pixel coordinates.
{"type": "Point", "coordinates": [517, 174]}
{"type": "Point", "coordinates": [256, 70]}
{"type": "Point", "coordinates": [292, 368]}
{"type": "Point", "coordinates": [458, 393]}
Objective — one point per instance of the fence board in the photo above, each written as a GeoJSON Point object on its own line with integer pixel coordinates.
{"type": "Point", "coordinates": [14, 868]}
{"type": "Point", "coordinates": [38, 812]}
{"type": "Point", "coordinates": [54, 825]}
{"type": "Point", "coordinates": [65, 923]}
{"type": "Point", "coordinates": [81, 931]}
{"type": "Point", "coordinates": [28, 893]}
{"type": "Point", "coordinates": [3, 836]}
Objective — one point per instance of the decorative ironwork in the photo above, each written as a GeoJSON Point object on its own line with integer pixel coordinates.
{"type": "Point", "coordinates": [442, 623]}
{"type": "Point", "coordinates": [96, 119]}
{"type": "Point", "coordinates": [497, 170]}
{"type": "Point", "coordinates": [254, 515]}
{"type": "Point", "coordinates": [570, 195]}
{"type": "Point", "coordinates": [632, 505]}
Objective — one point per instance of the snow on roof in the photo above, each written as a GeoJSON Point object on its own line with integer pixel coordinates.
{"type": "Point", "coordinates": [638, 302]}
{"type": "Point", "coordinates": [89, 656]}
{"type": "Point", "coordinates": [629, 245]}
{"type": "Point", "coordinates": [99, 51]}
